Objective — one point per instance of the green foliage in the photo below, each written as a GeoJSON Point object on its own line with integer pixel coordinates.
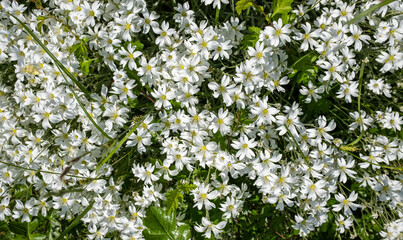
{"type": "Point", "coordinates": [139, 46]}
{"type": "Point", "coordinates": [162, 226]}
{"type": "Point", "coordinates": [250, 40]}
{"type": "Point", "coordinates": [243, 5]}
{"type": "Point", "coordinates": [305, 60]}
{"type": "Point", "coordinates": [17, 230]}
{"type": "Point", "coordinates": [175, 196]}
{"type": "Point", "coordinates": [281, 6]}
{"type": "Point", "coordinates": [370, 10]}
{"type": "Point", "coordinates": [41, 21]}
{"type": "Point", "coordinates": [21, 190]}
{"type": "Point", "coordinates": [305, 69]}
{"type": "Point", "coordinates": [76, 220]}
{"type": "Point", "coordinates": [123, 140]}
{"type": "Point", "coordinates": [80, 51]}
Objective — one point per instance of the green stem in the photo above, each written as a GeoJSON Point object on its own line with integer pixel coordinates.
{"type": "Point", "coordinates": [120, 143]}
{"type": "Point", "coordinates": [359, 104]}
{"type": "Point", "coordinates": [296, 143]}
{"type": "Point", "coordinates": [383, 166]}
{"type": "Point", "coordinates": [217, 15]}
{"type": "Point", "coordinates": [56, 61]}
{"type": "Point", "coordinates": [41, 171]}
{"type": "Point", "coordinates": [85, 110]}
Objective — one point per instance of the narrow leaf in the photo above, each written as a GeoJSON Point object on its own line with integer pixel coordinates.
{"type": "Point", "coordinates": [120, 143]}
{"type": "Point", "coordinates": [57, 62]}
{"type": "Point", "coordinates": [370, 10]}
{"type": "Point", "coordinates": [305, 60]}
{"type": "Point", "coordinates": [75, 221]}
{"type": "Point", "coordinates": [86, 112]}
{"type": "Point", "coordinates": [18, 228]}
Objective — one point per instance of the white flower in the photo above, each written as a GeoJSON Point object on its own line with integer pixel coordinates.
{"type": "Point", "coordinates": [343, 223]}
{"type": "Point", "coordinates": [163, 96]}
{"type": "Point", "coordinates": [308, 37]}
{"type": "Point", "coordinates": [244, 146]}
{"type": "Point", "coordinates": [225, 88]}
{"type": "Point", "coordinates": [231, 207]}
{"type": "Point", "coordinates": [357, 37]}
{"type": "Point", "coordinates": [278, 33]}
{"type": "Point", "coordinates": [141, 139]}
{"type": "Point", "coordinates": [116, 115]}
{"type": "Point", "coordinates": [221, 49]}
{"type": "Point", "coordinates": [91, 12]}
{"type": "Point", "coordinates": [222, 122]}
{"type": "Point", "coordinates": [265, 114]}
{"type": "Point", "coordinates": [347, 91]}
{"type": "Point", "coordinates": [208, 227]}
{"type": "Point", "coordinates": [363, 121]}
{"type": "Point", "coordinates": [312, 91]}
{"type": "Point", "coordinates": [4, 210]}
{"type": "Point", "coordinates": [164, 34]}
{"type": "Point", "coordinates": [314, 190]}
{"type": "Point", "coordinates": [392, 121]}
{"type": "Point", "coordinates": [344, 170]}
{"type": "Point", "coordinates": [346, 204]}
{"type": "Point", "coordinates": [304, 226]}
{"type": "Point", "coordinates": [128, 56]}
{"type": "Point", "coordinates": [148, 21]}
{"type": "Point", "coordinates": [202, 196]}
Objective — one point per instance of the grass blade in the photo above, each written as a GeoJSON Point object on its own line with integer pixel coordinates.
{"type": "Point", "coordinates": [85, 110]}
{"type": "Point", "coordinates": [370, 10]}
{"type": "Point", "coordinates": [75, 221]}
{"type": "Point", "coordinates": [121, 143]}
{"type": "Point", "coordinates": [64, 70]}
{"type": "Point", "coordinates": [57, 62]}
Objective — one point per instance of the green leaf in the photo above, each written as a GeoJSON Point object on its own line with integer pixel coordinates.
{"type": "Point", "coordinates": [123, 140]}
{"type": "Point", "coordinates": [21, 191]}
{"type": "Point", "coordinates": [42, 18]}
{"type": "Point", "coordinates": [37, 236]}
{"type": "Point", "coordinates": [33, 225]}
{"type": "Point", "coordinates": [172, 199]}
{"type": "Point", "coordinates": [243, 5]}
{"type": "Point", "coordinates": [53, 222]}
{"type": "Point", "coordinates": [85, 65]}
{"type": "Point", "coordinates": [250, 40]}
{"type": "Point", "coordinates": [75, 221]}
{"type": "Point", "coordinates": [85, 110]}
{"type": "Point", "coordinates": [308, 58]}
{"type": "Point", "coordinates": [160, 225]}
{"type": "Point", "coordinates": [281, 6]}
{"type": "Point", "coordinates": [18, 228]}
{"type": "Point", "coordinates": [75, 47]}
{"type": "Point", "coordinates": [370, 10]}
{"type": "Point", "coordinates": [183, 232]}
{"type": "Point", "coordinates": [254, 30]}
{"type": "Point", "coordinates": [186, 188]}
{"type": "Point", "coordinates": [133, 102]}
{"type": "Point", "coordinates": [139, 46]}
{"type": "Point", "coordinates": [38, 4]}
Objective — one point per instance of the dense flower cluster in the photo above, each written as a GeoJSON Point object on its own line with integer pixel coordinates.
{"type": "Point", "coordinates": [205, 115]}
